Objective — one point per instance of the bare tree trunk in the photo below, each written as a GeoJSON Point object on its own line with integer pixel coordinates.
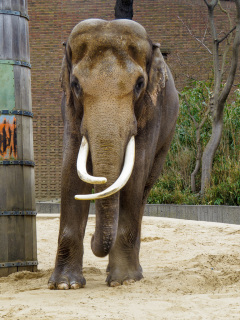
{"type": "Point", "coordinates": [209, 153]}
{"type": "Point", "coordinates": [199, 149]}
{"type": "Point", "coordinates": [219, 96]}
{"type": "Point", "coordinates": [196, 169]}
{"type": "Point", "coordinates": [124, 9]}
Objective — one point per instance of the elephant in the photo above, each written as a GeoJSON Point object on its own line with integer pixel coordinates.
{"type": "Point", "coordinates": [119, 108]}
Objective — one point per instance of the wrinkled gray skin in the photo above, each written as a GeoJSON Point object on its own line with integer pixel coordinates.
{"type": "Point", "coordinates": [116, 84]}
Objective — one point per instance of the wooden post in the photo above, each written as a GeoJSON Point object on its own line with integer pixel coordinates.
{"type": "Point", "coordinates": [18, 248]}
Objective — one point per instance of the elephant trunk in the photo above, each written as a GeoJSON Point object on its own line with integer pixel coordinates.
{"type": "Point", "coordinates": [107, 209]}
{"type": "Point", "coordinates": [106, 225]}
{"type": "Point", "coordinates": [110, 140]}
{"type": "Point", "coordinates": [107, 160]}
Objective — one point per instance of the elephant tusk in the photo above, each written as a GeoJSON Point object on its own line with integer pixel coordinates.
{"type": "Point", "coordinates": [122, 179]}
{"type": "Point", "coordinates": [82, 164]}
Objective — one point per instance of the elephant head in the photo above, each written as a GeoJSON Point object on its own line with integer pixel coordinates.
{"type": "Point", "coordinates": [109, 68]}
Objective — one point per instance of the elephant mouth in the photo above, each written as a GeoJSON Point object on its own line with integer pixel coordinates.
{"type": "Point", "coordinates": [117, 185]}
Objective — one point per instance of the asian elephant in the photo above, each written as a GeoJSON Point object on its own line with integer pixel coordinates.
{"type": "Point", "coordinates": [119, 108]}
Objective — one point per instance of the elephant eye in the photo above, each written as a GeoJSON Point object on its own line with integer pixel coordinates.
{"type": "Point", "coordinates": [76, 87]}
{"type": "Point", "coordinates": [139, 85]}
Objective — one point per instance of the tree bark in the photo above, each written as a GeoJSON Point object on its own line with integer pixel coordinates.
{"type": "Point", "coordinates": [209, 153]}
{"type": "Point", "coordinates": [124, 9]}
{"type": "Point", "coordinates": [199, 150]}
{"type": "Point", "coordinates": [194, 173]}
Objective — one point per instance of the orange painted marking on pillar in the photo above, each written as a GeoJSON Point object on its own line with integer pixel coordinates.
{"type": "Point", "coordinates": [8, 137]}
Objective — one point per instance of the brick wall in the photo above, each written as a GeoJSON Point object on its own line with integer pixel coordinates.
{"type": "Point", "coordinates": [50, 25]}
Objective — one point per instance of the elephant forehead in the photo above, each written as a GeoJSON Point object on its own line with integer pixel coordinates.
{"type": "Point", "coordinates": [99, 25]}
{"type": "Point", "coordinates": [92, 37]}
{"type": "Point", "coordinates": [107, 76]}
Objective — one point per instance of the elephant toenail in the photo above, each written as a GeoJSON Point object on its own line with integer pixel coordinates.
{"type": "Point", "coordinates": [115, 284]}
{"type": "Point", "coordinates": [76, 285]}
{"type": "Point", "coordinates": [51, 286]}
{"type": "Point", "coordinates": [63, 286]}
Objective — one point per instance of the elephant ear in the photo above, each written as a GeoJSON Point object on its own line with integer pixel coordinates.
{"type": "Point", "coordinates": [157, 74]}
{"type": "Point", "coordinates": [65, 76]}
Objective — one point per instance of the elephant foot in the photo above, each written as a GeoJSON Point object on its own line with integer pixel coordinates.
{"type": "Point", "coordinates": [114, 280]}
{"type": "Point", "coordinates": [66, 280]}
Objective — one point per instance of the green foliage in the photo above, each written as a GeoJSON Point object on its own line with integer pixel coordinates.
{"type": "Point", "coordinates": [173, 186]}
{"type": "Point", "coordinates": [225, 187]}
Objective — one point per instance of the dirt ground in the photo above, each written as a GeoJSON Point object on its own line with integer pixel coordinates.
{"type": "Point", "coordinates": [191, 271]}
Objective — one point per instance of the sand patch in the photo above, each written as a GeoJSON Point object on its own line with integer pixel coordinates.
{"type": "Point", "coordinates": [191, 271]}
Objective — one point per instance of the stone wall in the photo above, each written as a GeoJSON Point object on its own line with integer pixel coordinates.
{"type": "Point", "coordinates": [222, 214]}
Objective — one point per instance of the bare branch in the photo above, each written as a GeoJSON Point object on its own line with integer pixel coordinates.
{"type": "Point", "coordinates": [206, 2]}
{"type": "Point", "coordinates": [216, 61]}
{"type": "Point", "coordinates": [181, 64]}
{"type": "Point", "coordinates": [204, 118]}
{"type": "Point", "coordinates": [230, 22]}
{"type": "Point", "coordinates": [200, 41]}
{"type": "Point", "coordinates": [234, 62]}
{"type": "Point", "coordinates": [223, 38]}
{"type": "Point", "coordinates": [226, 12]}
{"type": "Point", "coordinates": [211, 5]}
{"type": "Point", "coordinates": [225, 53]}
{"type": "Point", "coordinates": [214, 3]}
{"type": "Point", "coordinates": [194, 121]}
{"type": "Point", "coordinates": [205, 32]}
{"type": "Point", "coordinates": [227, 36]}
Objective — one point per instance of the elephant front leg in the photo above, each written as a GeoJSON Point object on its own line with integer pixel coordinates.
{"type": "Point", "coordinates": [68, 266]}
{"type": "Point", "coordinates": [67, 273]}
{"type": "Point", "coordinates": [124, 266]}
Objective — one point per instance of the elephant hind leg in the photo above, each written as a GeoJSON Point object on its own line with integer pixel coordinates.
{"type": "Point", "coordinates": [157, 167]}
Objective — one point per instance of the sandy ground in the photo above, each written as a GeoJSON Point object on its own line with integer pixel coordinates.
{"type": "Point", "coordinates": [191, 271]}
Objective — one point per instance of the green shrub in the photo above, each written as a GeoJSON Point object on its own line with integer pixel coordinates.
{"type": "Point", "coordinates": [173, 186]}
